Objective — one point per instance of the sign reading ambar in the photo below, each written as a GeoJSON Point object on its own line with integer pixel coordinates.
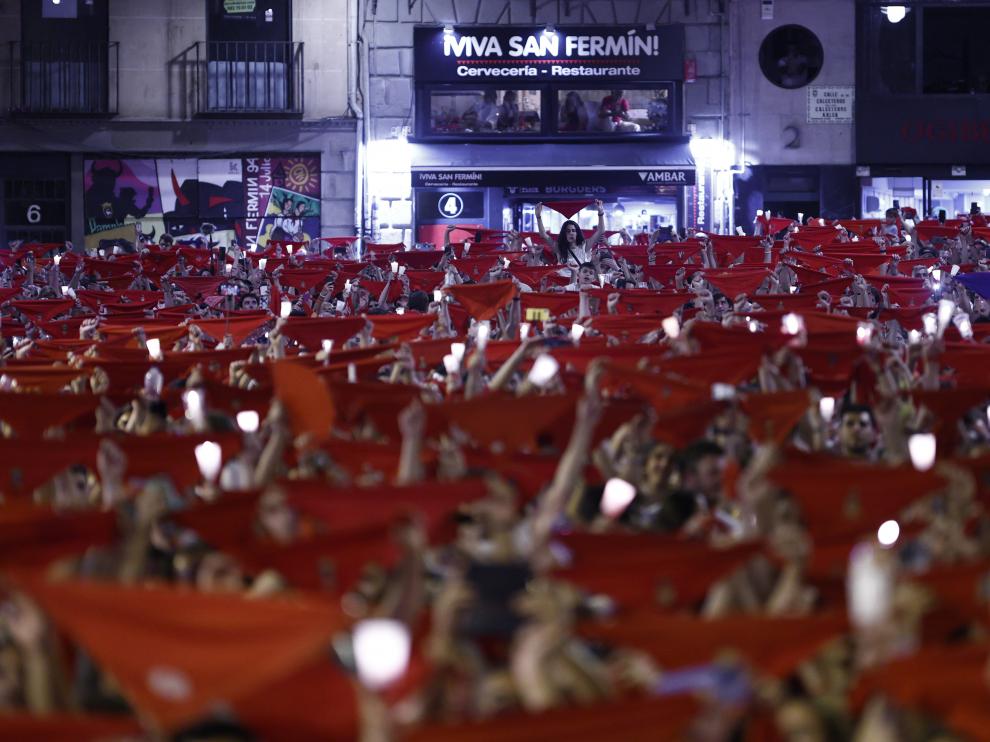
{"type": "Point", "coordinates": [613, 53]}
{"type": "Point", "coordinates": [539, 178]}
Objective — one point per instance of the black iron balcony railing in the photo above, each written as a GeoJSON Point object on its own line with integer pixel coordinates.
{"type": "Point", "coordinates": [250, 78]}
{"type": "Point", "coordinates": [54, 78]}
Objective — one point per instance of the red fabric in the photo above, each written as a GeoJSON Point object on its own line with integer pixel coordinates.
{"type": "Point", "coordinates": [306, 399]}
{"type": "Point", "coordinates": [400, 328]}
{"type": "Point", "coordinates": [516, 422]}
{"type": "Point", "coordinates": [43, 310]}
{"type": "Point", "coordinates": [737, 281]}
{"type": "Point", "coordinates": [310, 332]}
{"type": "Point", "coordinates": [476, 267]}
{"type": "Point", "coordinates": [30, 414]}
{"type": "Point", "coordinates": [154, 640]}
{"type": "Point", "coordinates": [772, 417]}
{"type": "Point", "coordinates": [483, 300]}
{"type": "Point", "coordinates": [240, 328]}
{"type": "Point", "coordinates": [556, 304]}
{"type": "Point", "coordinates": [66, 727]}
{"type": "Point", "coordinates": [568, 209]}
{"type": "Point", "coordinates": [46, 379]}
{"type": "Point", "coordinates": [198, 286]}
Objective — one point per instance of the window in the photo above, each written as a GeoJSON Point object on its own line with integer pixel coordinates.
{"type": "Point", "coordinates": [485, 111]}
{"type": "Point", "coordinates": [64, 63]}
{"type": "Point", "coordinates": [955, 59]}
{"type": "Point", "coordinates": [252, 64]}
{"type": "Point", "coordinates": [603, 111]}
{"type": "Point", "coordinates": [791, 57]}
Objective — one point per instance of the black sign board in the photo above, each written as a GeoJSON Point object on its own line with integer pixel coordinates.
{"type": "Point", "coordinates": [535, 54]}
{"type": "Point", "coordinates": [610, 178]}
{"type": "Point", "coordinates": [436, 205]}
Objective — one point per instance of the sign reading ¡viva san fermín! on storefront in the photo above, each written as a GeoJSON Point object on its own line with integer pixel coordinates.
{"type": "Point", "coordinates": [533, 54]}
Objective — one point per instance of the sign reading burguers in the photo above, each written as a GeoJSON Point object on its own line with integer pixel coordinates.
{"type": "Point", "coordinates": [830, 105]}
{"type": "Point", "coordinates": [534, 53]}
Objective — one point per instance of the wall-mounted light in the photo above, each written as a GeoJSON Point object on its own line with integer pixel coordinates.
{"type": "Point", "coordinates": [448, 30]}
{"type": "Point", "coordinates": [894, 13]}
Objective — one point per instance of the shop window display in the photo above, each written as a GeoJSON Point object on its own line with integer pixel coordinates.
{"type": "Point", "coordinates": [605, 111]}
{"type": "Point", "coordinates": [489, 111]}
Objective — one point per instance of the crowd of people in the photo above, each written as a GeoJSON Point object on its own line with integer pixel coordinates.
{"type": "Point", "coordinates": [589, 485]}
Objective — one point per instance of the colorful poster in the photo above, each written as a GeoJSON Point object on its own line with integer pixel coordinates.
{"type": "Point", "coordinates": [118, 192]}
{"type": "Point", "coordinates": [253, 199]}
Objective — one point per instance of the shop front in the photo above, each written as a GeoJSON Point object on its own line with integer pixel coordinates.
{"type": "Point", "coordinates": [923, 116]}
{"type": "Point", "coordinates": [508, 117]}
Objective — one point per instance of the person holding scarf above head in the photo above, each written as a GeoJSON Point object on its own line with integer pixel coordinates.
{"type": "Point", "coordinates": [570, 246]}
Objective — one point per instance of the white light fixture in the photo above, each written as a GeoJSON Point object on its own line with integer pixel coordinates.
{"type": "Point", "coordinates": [248, 421]}
{"type": "Point", "coordinates": [549, 30]}
{"type": "Point", "coordinates": [869, 587]}
{"type": "Point", "coordinates": [864, 333]}
{"type": "Point", "coordinates": [208, 458]}
{"type": "Point", "coordinates": [722, 391]}
{"type": "Point", "coordinates": [154, 346]}
{"type": "Point", "coordinates": [921, 446]}
{"type": "Point", "coordinates": [381, 651]}
{"type": "Point", "coordinates": [894, 13]}
{"type": "Point", "coordinates": [791, 324]}
{"type": "Point", "coordinates": [524, 329]}
{"type": "Point", "coordinates": [577, 330]}
{"type": "Point", "coordinates": [717, 154]}
{"type": "Point", "coordinates": [448, 30]}
{"type": "Point", "coordinates": [545, 367]}
{"type": "Point", "coordinates": [285, 309]}
{"type": "Point", "coordinates": [826, 407]}
{"type": "Point", "coordinates": [888, 533]}
{"type": "Point", "coordinates": [946, 307]}
{"type": "Point", "coordinates": [451, 364]}
{"type": "Point", "coordinates": [617, 497]}
{"type": "Point", "coordinates": [671, 327]}
{"type": "Point", "coordinates": [192, 401]}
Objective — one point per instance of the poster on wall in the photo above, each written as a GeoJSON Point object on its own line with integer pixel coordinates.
{"type": "Point", "coordinates": [251, 199]}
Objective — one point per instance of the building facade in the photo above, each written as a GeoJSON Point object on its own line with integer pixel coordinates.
{"type": "Point", "coordinates": [478, 110]}
{"type": "Point", "coordinates": [163, 115]}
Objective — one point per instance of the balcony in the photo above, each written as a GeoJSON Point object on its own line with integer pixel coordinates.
{"type": "Point", "coordinates": [64, 78]}
{"type": "Point", "coordinates": [249, 78]}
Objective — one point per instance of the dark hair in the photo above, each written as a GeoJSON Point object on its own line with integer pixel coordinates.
{"type": "Point", "coordinates": [249, 296]}
{"type": "Point", "coordinates": [587, 264]}
{"type": "Point", "coordinates": [688, 459]}
{"type": "Point", "coordinates": [562, 247]}
{"type": "Point", "coordinates": [418, 301]}
{"type": "Point", "coordinates": [852, 408]}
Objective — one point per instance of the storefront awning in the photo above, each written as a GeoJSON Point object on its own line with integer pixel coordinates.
{"type": "Point", "coordinates": [507, 165]}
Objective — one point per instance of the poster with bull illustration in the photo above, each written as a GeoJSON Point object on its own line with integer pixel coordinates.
{"type": "Point", "coordinates": [252, 199]}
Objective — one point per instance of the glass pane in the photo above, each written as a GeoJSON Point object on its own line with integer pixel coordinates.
{"type": "Point", "coordinates": [955, 59]}
{"type": "Point", "coordinates": [879, 194]}
{"type": "Point", "coordinates": [602, 111]}
{"type": "Point", "coordinates": [888, 50]}
{"type": "Point", "coordinates": [491, 111]}
{"type": "Point", "coordinates": [958, 196]}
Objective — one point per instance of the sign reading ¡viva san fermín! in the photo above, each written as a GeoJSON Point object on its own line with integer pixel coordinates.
{"type": "Point", "coordinates": [615, 53]}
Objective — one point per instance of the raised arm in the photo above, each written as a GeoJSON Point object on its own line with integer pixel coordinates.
{"type": "Point", "coordinates": [541, 230]}
{"type": "Point", "coordinates": [600, 229]}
